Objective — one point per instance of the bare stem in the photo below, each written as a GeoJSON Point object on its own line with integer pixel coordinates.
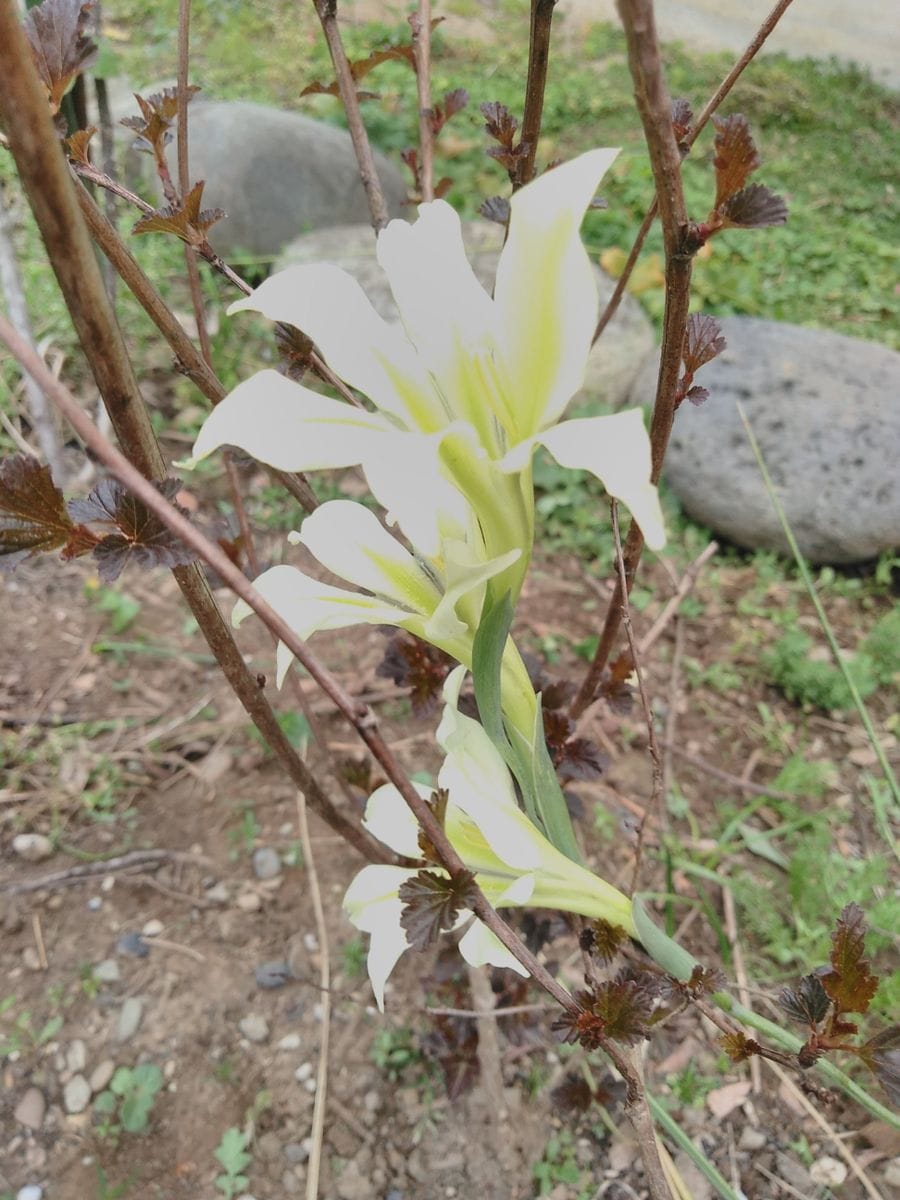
{"type": "Point", "coordinates": [368, 173]}
{"type": "Point", "coordinates": [627, 1063]}
{"type": "Point", "coordinates": [421, 41]}
{"type": "Point", "coordinates": [752, 49]}
{"type": "Point", "coordinates": [655, 757]}
{"type": "Point", "coordinates": [536, 82]}
{"type": "Point", "coordinates": [655, 109]}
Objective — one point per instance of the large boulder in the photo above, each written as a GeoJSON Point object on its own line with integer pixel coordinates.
{"type": "Point", "coordinates": [615, 360]}
{"type": "Point", "coordinates": [276, 174]}
{"type": "Point", "coordinates": [826, 411]}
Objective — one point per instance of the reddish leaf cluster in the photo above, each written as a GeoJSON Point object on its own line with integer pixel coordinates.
{"type": "Point", "coordinates": [412, 663]}
{"type": "Point", "coordinates": [496, 209]}
{"type": "Point", "coordinates": [57, 33]}
{"type": "Point", "coordinates": [437, 802]}
{"type": "Point", "coordinates": [361, 67]}
{"type": "Point", "coordinates": [183, 220]}
{"type": "Point", "coordinates": [431, 904]}
{"type": "Point", "coordinates": [602, 940]}
{"type": "Point", "coordinates": [159, 112]}
{"type": "Point", "coordinates": [737, 204]}
{"type": "Point", "coordinates": [614, 686]}
{"type": "Point", "coordinates": [34, 517]}
{"type": "Point", "coordinates": [703, 341]}
{"type": "Point", "coordinates": [682, 122]}
{"type": "Point", "coordinates": [573, 757]}
{"type": "Point", "coordinates": [501, 125]}
{"type": "Point", "coordinates": [77, 145]}
{"type": "Point", "coordinates": [617, 1010]}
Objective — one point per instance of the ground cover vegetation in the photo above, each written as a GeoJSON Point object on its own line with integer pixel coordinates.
{"type": "Point", "coordinates": [769, 786]}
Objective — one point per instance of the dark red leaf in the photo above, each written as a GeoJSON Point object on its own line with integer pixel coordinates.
{"type": "Point", "coordinates": [507, 158]}
{"type": "Point", "coordinates": [580, 758]}
{"type": "Point", "coordinates": [697, 395]}
{"type": "Point", "coordinates": [882, 1054]}
{"type": "Point", "coordinates": [153, 128]}
{"type": "Point", "coordinates": [614, 686]}
{"type": "Point", "coordinates": [495, 209]}
{"type": "Point", "coordinates": [412, 663]}
{"type": "Point", "coordinates": [362, 66]}
{"type": "Point", "coordinates": [850, 983]}
{"type": "Point", "coordinates": [453, 103]}
{"type": "Point", "coordinates": [625, 1005]}
{"type": "Point", "coordinates": [603, 940]}
{"type": "Point", "coordinates": [557, 694]}
{"type": "Point", "coordinates": [736, 156]}
{"type": "Point", "coordinates": [682, 118]}
{"type": "Point", "coordinates": [703, 341]}
{"type": "Point", "coordinates": [185, 220]}
{"type": "Point", "coordinates": [499, 123]}
{"type": "Point", "coordinates": [140, 535]}
{"type": "Point", "coordinates": [442, 187]}
{"type": "Point", "coordinates": [33, 513]}
{"type": "Point", "coordinates": [754, 207]}
{"type": "Point", "coordinates": [453, 1044]}
{"type": "Point", "coordinates": [437, 802]}
{"type": "Point", "coordinates": [431, 903]}
{"type": "Point", "coordinates": [808, 1003]}
{"type": "Point", "coordinates": [59, 44]}
{"type": "Point", "coordinates": [738, 1046]}
{"type": "Point", "coordinates": [77, 144]}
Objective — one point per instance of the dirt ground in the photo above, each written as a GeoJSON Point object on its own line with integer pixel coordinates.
{"type": "Point", "coordinates": [170, 767]}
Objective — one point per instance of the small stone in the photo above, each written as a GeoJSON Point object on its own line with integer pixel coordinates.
{"type": "Point", "coordinates": [892, 1173]}
{"type": "Point", "coordinates": [33, 847]}
{"type": "Point", "coordinates": [272, 974]}
{"type": "Point", "coordinates": [254, 1027]}
{"type": "Point", "coordinates": [249, 902]}
{"type": "Point", "coordinates": [76, 1056]}
{"type": "Point", "coordinates": [133, 944]}
{"type": "Point", "coordinates": [311, 942]}
{"type": "Point", "coordinates": [153, 928]}
{"type": "Point", "coordinates": [76, 1094]}
{"type": "Point", "coordinates": [311, 1085]}
{"type": "Point", "coordinates": [218, 894]}
{"type": "Point", "coordinates": [107, 971]}
{"type": "Point", "coordinates": [828, 1172]}
{"type": "Point", "coordinates": [129, 1018]}
{"type": "Point", "coordinates": [297, 1152]}
{"type": "Point", "coordinates": [108, 883]}
{"type": "Point", "coordinates": [95, 903]}
{"type": "Point", "coordinates": [290, 1183]}
{"type": "Point", "coordinates": [290, 1041]}
{"type": "Point", "coordinates": [31, 958]}
{"type": "Point", "coordinates": [303, 1072]}
{"type": "Point", "coordinates": [31, 1108]}
{"type": "Point", "coordinates": [371, 1101]}
{"type": "Point", "coordinates": [31, 1191]}
{"type": "Point", "coordinates": [751, 1139]}
{"type": "Point", "coordinates": [101, 1075]}
{"type": "Point", "coordinates": [266, 863]}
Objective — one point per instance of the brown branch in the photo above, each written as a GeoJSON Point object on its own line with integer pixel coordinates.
{"type": "Point", "coordinates": [361, 717]}
{"type": "Point", "coordinates": [655, 109]}
{"type": "Point", "coordinates": [752, 49]}
{"type": "Point", "coordinates": [536, 82]}
{"type": "Point", "coordinates": [627, 1062]}
{"type": "Point", "coordinates": [421, 43]}
{"type": "Point", "coordinates": [655, 804]}
{"type": "Point", "coordinates": [52, 194]}
{"type": "Point", "coordinates": [368, 173]}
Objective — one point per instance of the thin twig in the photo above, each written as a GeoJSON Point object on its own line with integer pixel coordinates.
{"type": "Point", "coordinates": [740, 974]}
{"type": "Point", "coordinates": [318, 1122]}
{"type": "Point", "coordinates": [361, 717]}
{"type": "Point", "coordinates": [685, 587]}
{"type": "Point", "coordinates": [84, 872]}
{"type": "Point", "coordinates": [108, 157]}
{"type": "Point", "coordinates": [368, 172]}
{"type": "Point", "coordinates": [471, 1014]}
{"type": "Point", "coordinates": [655, 109]}
{"type": "Point", "coordinates": [627, 1062]}
{"type": "Point", "coordinates": [421, 43]}
{"type": "Point", "coordinates": [671, 719]}
{"type": "Point", "coordinates": [535, 84]}
{"type": "Point", "coordinates": [700, 122]}
{"type": "Point", "coordinates": [655, 803]}
{"type": "Point", "coordinates": [39, 940]}
{"type": "Point", "coordinates": [735, 781]}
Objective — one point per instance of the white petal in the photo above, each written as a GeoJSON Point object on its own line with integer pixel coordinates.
{"type": "Point", "coordinates": [349, 540]}
{"type": "Point", "coordinates": [308, 606]}
{"type": "Point", "coordinates": [546, 295]}
{"type": "Point", "coordinates": [389, 818]}
{"type": "Point", "coordinates": [464, 575]}
{"type": "Point", "coordinates": [330, 307]}
{"type": "Point", "coordinates": [617, 450]}
{"type": "Point", "coordinates": [479, 946]}
{"type": "Point", "coordinates": [284, 424]}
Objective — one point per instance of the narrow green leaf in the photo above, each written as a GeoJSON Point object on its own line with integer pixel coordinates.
{"type": "Point", "coordinates": [661, 948]}
{"type": "Point", "coordinates": [697, 1157]}
{"type": "Point", "coordinates": [549, 801]}
{"type": "Point", "coordinates": [487, 654]}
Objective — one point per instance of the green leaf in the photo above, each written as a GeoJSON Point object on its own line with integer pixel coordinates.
{"type": "Point", "coordinates": [105, 1103]}
{"type": "Point", "coordinates": [50, 1030]}
{"type": "Point", "coordinates": [661, 948]}
{"type": "Point", "coordinates": [135, 1111]}
{"type": "Point", "coordinates": [487, 654]}
{"type": "Point", "coordinates": [549, 801]}
{"type": "Point", "coordinates": [232, 1151]}
{"type": "Point", "coordinates": [147, 1077]}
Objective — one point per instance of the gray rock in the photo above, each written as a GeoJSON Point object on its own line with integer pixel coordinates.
{"type": "Point", "coordinates": [615, 360]}
{"type": "Point", "coordinates": [132, 944]}
{"type": "Point", "coordinates": [296, 1152]}
{"type": "Point", "coordinates": [276, 174]}
{"type": "Point", "coordinates": [272, 974]}
{"type": "Point", "coordinates": [266, 863]}
{"type": "Point", "coordinates": [107, 971]}
{"type": "Point", "coordinates": [33, 847]}
{"type": "Point", "coordinates": [254, 1027]}
{"type": "Point", "coordinates": [31, 1108]}
{"type": "Point", "coordinates": [130, 1016]}
{"type": "Point", "coordinates": [76, 1056]}
{"type": "Point", "coordinates": [76, 1094]}
{"type": "Point", "coordinates": [825, 411]}
{"type": "Point", "coordinates": [31, 1191]}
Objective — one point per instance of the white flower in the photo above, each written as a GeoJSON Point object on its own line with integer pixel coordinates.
{"type": "Point", "coordinates": [513, 862]}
